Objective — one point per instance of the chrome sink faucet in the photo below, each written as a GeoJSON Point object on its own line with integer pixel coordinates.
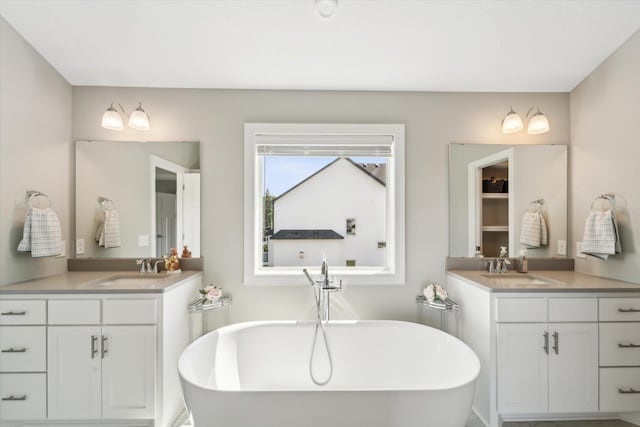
{"type": "Point", "coordinates": [145, 265]}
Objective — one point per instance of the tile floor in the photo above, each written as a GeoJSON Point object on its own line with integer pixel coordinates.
{"type": "Point", "coordinates": [475, 422]}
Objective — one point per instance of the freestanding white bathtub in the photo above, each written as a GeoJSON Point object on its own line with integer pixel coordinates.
{"type": "Point", "coordinates": [385, 374]}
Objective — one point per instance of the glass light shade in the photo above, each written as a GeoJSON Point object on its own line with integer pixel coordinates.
{"type": "Point", "coordinates": [512, 123]}
{"type": "Point", "coordinates": [326, 8]}
{"type": "Point", "coordinates": [111, 119]}
{"type": "Point", "coordinates": [538, 124]}
{"type": "Point", "coordinates": [139, 119]}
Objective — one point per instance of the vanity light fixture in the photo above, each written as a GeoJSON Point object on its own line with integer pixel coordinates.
{"type": "Point", "coordinates": [111, 119]}
{"type": "Point", "coordinates": [138, 119]}
{"type": "Point", "coordinates": [512, 122]}
{"type": "Point", "coordinates": [326, 8]}
{"type": "Point", "coordinates": [537, 125]}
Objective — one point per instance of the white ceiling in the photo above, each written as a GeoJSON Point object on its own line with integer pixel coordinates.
{"type": "Point", "coordinates": [445, 45]}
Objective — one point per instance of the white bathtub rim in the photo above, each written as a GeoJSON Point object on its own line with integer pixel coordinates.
{"type": "Point", "coordinates": [243, 325]}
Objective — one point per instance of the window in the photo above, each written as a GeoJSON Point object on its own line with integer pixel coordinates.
{"type": "Point", "coordinates": [305, 186]}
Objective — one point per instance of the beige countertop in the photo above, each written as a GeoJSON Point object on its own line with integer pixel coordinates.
{"type": "Point", "coordinates": [88, 282]}
{"type": "Point", "coordinates": [559, 281]}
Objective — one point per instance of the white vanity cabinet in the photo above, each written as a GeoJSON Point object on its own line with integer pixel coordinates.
{"type": "Point", "coordinates": [620, 354]}
{"type": "Point", "coordinates": [556, 354]}
{"type": "Point", "coordinates": [94, 358]}
{"type": "Point", "coordinates": [102, 371]}
{"type": "Point", "coordinates": [23, 359]}
{"type": "Point", "coordinates": [547, 366]}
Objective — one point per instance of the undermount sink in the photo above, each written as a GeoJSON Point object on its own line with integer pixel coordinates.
{"type": "Point", "coordinates": [519, 279]}
{"type": "Point", "coordinates": [128, 280]}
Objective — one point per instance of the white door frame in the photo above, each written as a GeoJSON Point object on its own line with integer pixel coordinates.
{"type": "Point", "coordinates": [474, 196]}
{"type": "Point", "coordinates": [154, 162]}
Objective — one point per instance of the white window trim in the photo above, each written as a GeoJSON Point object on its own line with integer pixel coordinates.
{"type": "Point", "coordinates": [254, 274]}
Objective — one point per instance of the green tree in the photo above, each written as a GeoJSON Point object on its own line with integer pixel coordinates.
{"type": "Point", "coordinates": [267, 204]}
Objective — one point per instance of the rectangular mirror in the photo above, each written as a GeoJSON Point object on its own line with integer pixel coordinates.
{"type": "Point", "coordinates": [137, 199]}
{"type": "Point", "coordinates": [492, 187]}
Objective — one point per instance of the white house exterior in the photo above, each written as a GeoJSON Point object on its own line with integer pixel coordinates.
{"type": "Point", "coordinates": [310, 219]}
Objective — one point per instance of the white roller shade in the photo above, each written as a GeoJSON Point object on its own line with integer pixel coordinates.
{"type": "Point", "coordinates": [324, 145]}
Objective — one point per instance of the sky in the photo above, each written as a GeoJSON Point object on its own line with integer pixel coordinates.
{"type": "Point", "coordinates": [283, 172]}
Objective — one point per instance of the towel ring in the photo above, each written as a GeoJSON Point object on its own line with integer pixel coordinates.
{"type": "Point", "coordinates": [609, 197]}
{"type": "Point", "coordinates": [104, 201]}
{"type": "Point", "coordinates": [536, 204]}
{"type": "Point", "coordinates": [31, 194]}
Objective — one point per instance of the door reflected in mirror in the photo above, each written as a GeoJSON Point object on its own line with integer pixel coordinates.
{"type": "Point", "coordinates": [156, 189]}
{"type": "Point", "coordinates": [493, 187]}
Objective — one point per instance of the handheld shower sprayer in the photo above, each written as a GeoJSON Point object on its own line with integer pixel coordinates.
{"type": "Point", "coordinates": [306, 273]}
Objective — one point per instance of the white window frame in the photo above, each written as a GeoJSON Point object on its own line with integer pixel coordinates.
{"type": "Point", "coordinates": [254, 273]}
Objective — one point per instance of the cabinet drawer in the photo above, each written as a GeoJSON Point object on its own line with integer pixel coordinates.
{"type": "Point", "coordinates": [620, 309]}
{"type": "Point", "coordinates": [23, 348]}
{"type": "Point", "coordinates": [23, 312]}
{"type": "Point", "coordinates": [129, 312]}
{"type": "Point", "coordinates": [620, 344]}
{"type": "Point", "coordinates": [23, 396]}
{"type": "Point", "coordinates": [521, 310]}
{"type": "Point", "coordinates": [573, 309]}
{"type": "Point", "coordinates": [74, 312]}
{"type": "Point", "coordinates": [615, 389]}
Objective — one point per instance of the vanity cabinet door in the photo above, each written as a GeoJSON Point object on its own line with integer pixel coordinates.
{"type": "Point", "coordinates": [522, 368]}
{"type": "Point", "coordinates": [128, 371]}
{"type": "Point", "coordinates": [73, 372]}
{"type": "Point", "coordinates": [573, 367]}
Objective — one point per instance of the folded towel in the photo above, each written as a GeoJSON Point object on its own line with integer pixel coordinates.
{"type": "Point", "coordinates": [601, 237]}
{"type": "Point", "coordinates": [42, 235]}
{"type": "Point", "coordinates": [108, 232]}
{"type": "Point", "coordinates": [533, 233]}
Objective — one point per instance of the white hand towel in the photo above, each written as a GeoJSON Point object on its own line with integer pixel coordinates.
{"type": "Point", "coordinates": [25, 243]}
{"type": "Point", "coordinates": [100, 234]}
{"type": "Point", "coordinates": [533, 232]}
{"type": "Point", "coordinates": [111, 229]}
{"type": "Point", "coordinates": [42, 234]}
{"type": "Point", "coordinates": [601, 237]}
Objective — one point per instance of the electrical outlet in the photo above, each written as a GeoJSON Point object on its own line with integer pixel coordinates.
{"type": "Point", "coordinates": [143, 240]}
{"type": "Point", "coordinates": [79, 246]}
{"type": "Point", "coordinates": [579, 253]}
{"type": "Point", "coordinates": [562, 247]}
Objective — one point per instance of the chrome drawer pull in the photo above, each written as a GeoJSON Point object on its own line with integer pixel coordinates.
{"type": "Point", "coordinates": [105, 350]}
{"type": "Point", "coordinates": [14, 313]}
{"type": "Point", "coordinates": [629, 310]}
{"type": "Point", "coordinates": [556, 343]}
{"type": "Point", "coordinates": [630, 345]}
{"type": "Point", "coordinates": [94, 349]}
{"type": "Point", "coordinates": [15, 350]}
{"type": "Point", "coordinates": [546, 342]}
{"type": "Point", "coordinates": [12, 397]}
{"type": "Point", "coordinates": [630, 391]}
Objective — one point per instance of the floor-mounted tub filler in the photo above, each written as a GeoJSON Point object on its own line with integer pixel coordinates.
{"type": "Point", "coordinates": [385, 374]}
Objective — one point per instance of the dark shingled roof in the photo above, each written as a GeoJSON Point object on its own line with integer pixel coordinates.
{"type": "Point", "coordinates": [306, 235]}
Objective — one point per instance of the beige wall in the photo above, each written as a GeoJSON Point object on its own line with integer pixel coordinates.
{"type": "Point", "coordinates": [216, 118]}
{"type": "Point", "coordinates": [605, 155]}
{"type": "Point", "coordinates": [35, 151]}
